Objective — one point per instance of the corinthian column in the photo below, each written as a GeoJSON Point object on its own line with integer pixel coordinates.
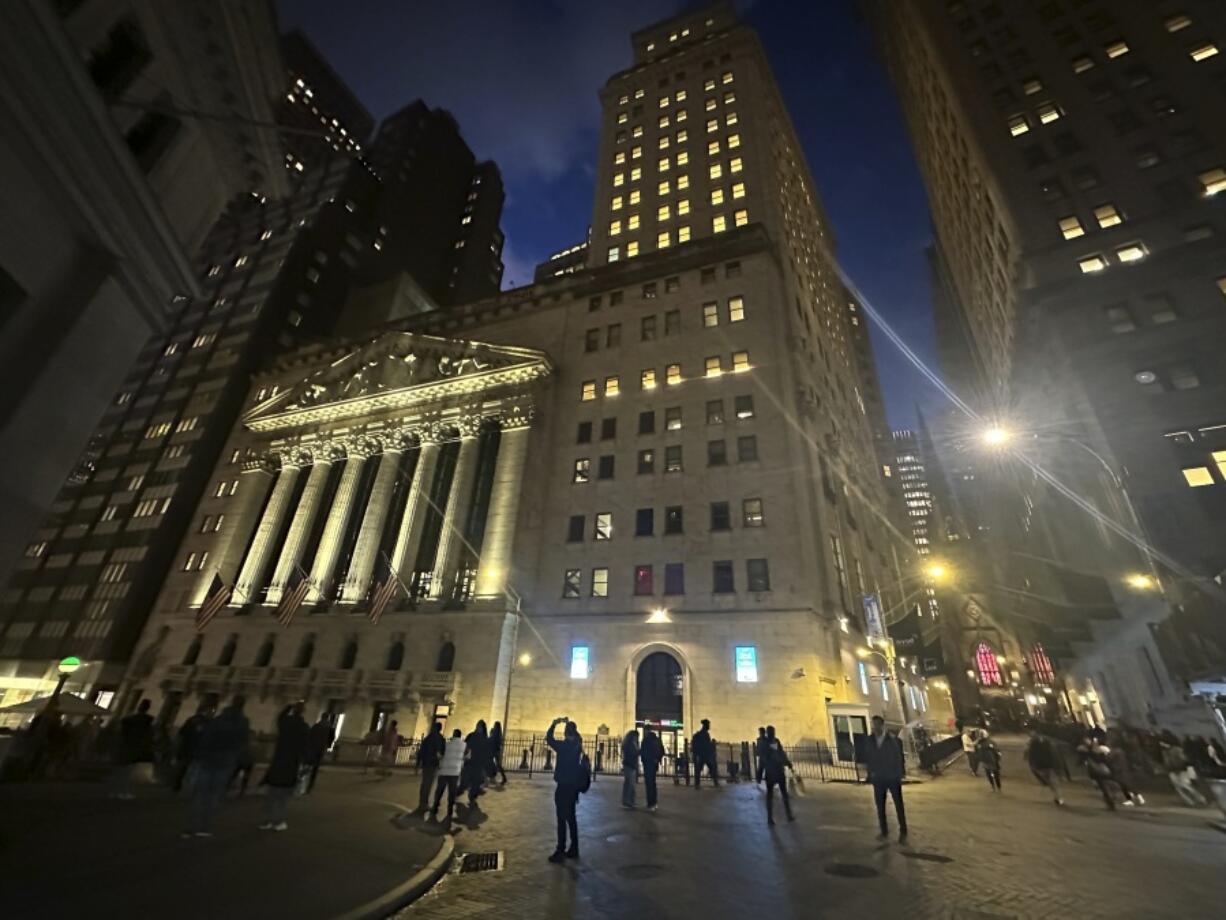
{"type": "Point", "coordinates": [404, 555]}
{"type": "Point", "coordinates": [300, 527]}
{"type": "Point", "coordinates": [459, 500]}
{"type": "Point", "coordinates": [494, 564]}
{"type": "Point", "coordinates": [251, 576]}
{"type": "Point", "coordinates": [238, 523]}
{"type": "Point", "coordinates": [363, 561]}
{"type": "Point", "coordinates": [338, 520]}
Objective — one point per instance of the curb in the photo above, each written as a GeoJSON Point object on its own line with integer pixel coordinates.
{"type": "Point", "coordinates": [403, 895]}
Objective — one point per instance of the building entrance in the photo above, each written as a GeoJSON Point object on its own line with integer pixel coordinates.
{"type": "Point", "coordinates": [659, 698]}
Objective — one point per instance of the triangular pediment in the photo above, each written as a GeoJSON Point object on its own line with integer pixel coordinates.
{"type": "Point", "coordinates": [396, 370]}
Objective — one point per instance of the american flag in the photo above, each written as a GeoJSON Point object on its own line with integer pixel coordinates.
{"type": "Point", "coordinates": [295, 593]}
{"type": "Point", "coordinates": [218, 596]}
{"type": "Point", "coordinates": [384, 591]}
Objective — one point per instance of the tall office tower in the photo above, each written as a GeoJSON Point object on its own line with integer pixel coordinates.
{"type": "Point", "coordinates": [909, 468]}
{"type": "Point", "coordinates": [320, 116]}
{"type": "Point", "coordinates": [99, 231]}
{"type": "Point", "coordinates": [441, 208]}
{"type": "Point", "coordinates": [641, 491]}
{"type": "Point", "coordinates": [1075, 159]}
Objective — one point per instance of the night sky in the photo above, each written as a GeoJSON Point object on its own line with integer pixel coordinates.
{"type": "Point", "coordinates": [521, 77]}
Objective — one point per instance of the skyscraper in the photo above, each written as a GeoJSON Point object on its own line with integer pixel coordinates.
{"type": "Point", "coordinates": [1075, 160]}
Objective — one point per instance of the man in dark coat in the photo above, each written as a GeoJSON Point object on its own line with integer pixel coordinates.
{"type": "Point", "coordinates": [883, 760]}
{"type": "Point", "coordinates": [774, 762]}
{"type": "Point", "coordinates": [703, 750]}
{"type": "Point", "coordinates": [651, 752]}
{"type": "Point", "coordinates": [630, 767]}
{"type": "Point", "coordinates": [320, 739]}
{"type": "Point", "coordinates": [758, 747]}
{"type": "Point", "coordinates": [188, 740]}
{"type": "Point", "coordinates": [222, 742]}
{"type": "Point", "coordinates": [428, 757]}
{"type": "Point", "coordinates": [293, 736]}
{"type": "Point", "coordinates": [568, 775]}
{"type": "Point", "coordinates": [135, 746]}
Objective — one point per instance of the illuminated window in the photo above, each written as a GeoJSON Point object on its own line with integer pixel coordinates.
{"type": "Point", "coordinates": [664, 142]}
{"type": "Point", "coordinates": [1117, 49]}
{"type": "Point", "coordinates": [1219, 457]}
{"type": "Point", "coordinates": [663, 212]}
{"type": "Point", "coordinates": [751, 513]}
{"type": "Point", "coordinates": [1213, 181]}
{"type": "Point", "coordinates": [632, 222]}
{"type": "Point", "coordinates": [730, 119]}
{"type": "Point", "coordinates": [726, 77]}
{"type": "Point", "coordinates": [736, 309]}
{"type": "Point", "coordinates": [1018, 125]}
{"type": "Point", "coordinates": [680, 116]}
{"type": "Point", "coordinates": [712, 148]}
{"type": "Point", "coordinates": [683, 136]}
{"type": "Point", "coordinates": [714, 171]}
{"type": "Point", "coordinates": [738, 190]}
{"type": "Point", "coordinates": [740, 361]}
{"type": "Point", "coordinates": [647, 379]}
{"type": "Point", "coordinates": [1071, 228]}
{"type": "Point", "coordinates": [712, 125]}
{"type": "Point", "coordinates": [588, 391]}
{"type": "Point", "coordinates": [636, 131]}
{"type": "Point", "coordinates": [708, 85]}
{"type": "Point", "coordinates": [600, 582]}
{"type": "Point", "coordinates": [717, 196]}
{"type": "Point", "coordinates": [987, 666]}
{"type": "Point", "coordinates": [1107, 216]}
{"type": "Point", "coordinates": [579, 661]}
{"type": "Point", "coordinates": [734, 141]}
{"type": "Point", "coordinates": [664, 164]}
{"type": "Point", "coordinates": [636, 173]}
{"type": "Point", "coordinates": [710, 104]}
{"type": "Point", "coordinates": [1040, 665]}
{"type": "Point", "coordinates": [663, 239]}
{"type": "Point", "coordinates": [683, 234]}
{"type": "Point", "coordinates": [619, 158]}
{"type": "Point", "coordinates": [632, 249]}
{"type": "Point", "coordinates": [740, 218]}
{"type": "Point", "coordinates": [1082, 64]}
{"type": "Point", "coordinates": [615, 227]}
{"type": "Point", "coordinates": [683, 207]}
{"type": "Point", "coordinates": [638, 94]}
{"type": "Point", "coordinates": [746, 658]}
{"type": "Point", "coordinates": [1091, 264]}
{"type": "Point", "coordinates": [622, 118]}
{"type": "Point", "coordinates": [614, 253]}
{"type": "Point", "coordinates": [603, 529]}
{"type": "Point", "coordinates": [680, 96]}
{"type": "Point", "coordinates": [664, 102]}
{"type": "Point", "coordinates": [582, 471]}
{"type": "Point", "coordinates": [710, 314]}
{"type": "Point", "coordinates": [1197, 476]}
{"type": "Point", "coordinates": [1203, 52]}
{"type": "Point", "coordinates": [863, 672]}
{"type": "Point", "coordinates": [1032, 86]}
{"type": "Point", "coordinates": [672, 374]}
{"type": "Point", "coordinates": [616, 203]}
{"type": "Point", "coordinates": [719, 223]}
{"type": "Point", "coordinates": [663, 188]}
{"type": "Point", "coordinates": [1178, 22]}
{"type": "Point", "coordinates": [636, 152]}
{"type": "Point", "coordinates": [619, 179]}
{"type": "Point", "coordinates": [735, 165]}
{"type": "Point", "coordinates": [1048, 113]}
{"type": "Point", "coordinates": [683, 157]}
{"type": "Point", "coordinates": [1133, 252]}
{"type": "Point", "coordinates": [635, 197]}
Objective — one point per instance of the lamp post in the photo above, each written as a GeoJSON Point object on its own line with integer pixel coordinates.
{"type": "Point", "coordinates": [67, 667]}
{"type": "Point", "coordinates": [891, 674]}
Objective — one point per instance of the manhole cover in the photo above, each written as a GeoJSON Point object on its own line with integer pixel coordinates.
{"type": "Point", "coordinates": [641, 871]}
{"type": "Point", "coordinates": [851, 870]}
{"type": "Point", "coordinates": [928, 857]}
{"type": "Point", "coordinates": [482, 862]}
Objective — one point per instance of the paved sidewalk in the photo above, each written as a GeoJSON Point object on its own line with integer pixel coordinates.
{"type": "Point", "coordinates": [67, 850]}
{"type": "Point", "coordinates": [710, 854]}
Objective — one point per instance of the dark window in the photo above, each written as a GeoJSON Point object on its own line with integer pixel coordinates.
{"type": "Point", "coordinates": [574, 529]}
{"type": "Point", "coordinates": [604, 469]}
{"type": "Point", "coordinates": [572, 582]}
{"type": "Point", "coordinates": [591, 340]}
{"type": "Point", "coordinates": [671, 284]}
{"type": "Point", "coordinates": [613, 336]}
{"type": "Point", "coordinates": [647, 422]}
{"type": "Point", "coordinates": [721, 517]}
{"type": "Point", "coordinates": [395, 656]}
{"type": "Point", "coordinates": [647, 461]}
{"type": "Point", "coordinates": [1119, 318]}
{"type": "Point", "coordinates": [608, 429]}
{"type": "Point", "coordinates": [672, 458]}
{"type": "Point", "coordinates": [643, 579]}
{"type": "Point", "coordinates": [151, 135]}
{"type": "Point", "coordinates": [615, 298]}
{"type": "Point", "coordinates": [1086, 178]}
{"type": "Point", "coordinates": [1124, 121]}
{"type": "Point", "coordinates": [722, 581]}
{"type": "Point", "coordinates": [672, 418]}
{"type": "Point", "coordinates": [649, 290]}
{"type": "Point", "coordinates": [672, 322]}
{"type": "Point", "coordinates": [715, 412]}
{"type": "Point", "coordinates": [757, 574]}
{"type": "Point", "coordinates": [264, 656]}
{"type": "Point", "coordinates": [227, 651]}
{"type": "Point", "coordinates": [1100, 90]}
{"type": "Point", "coordinates": [584, 434]}
{"type": "Point", "coordinates": [674, 520]}
{"type": "Point", "coordinates": [645, 522]}
{"type": "Point", "coordinates": [744, 407]}
{"type": "Point", "coordinates": [11, 296]}
{"type": "Point", "coordinates": [1163, 106]}
{"type": "Point", "coordinates": [1138, 75]}
{"type": "Point", "coordinates": [647, 328]}
{"type": "Point", "coordinates": [349, 657]}
{"type": "Point", "coordinates": [717, 453]}
{"type": "Point", "coordinates": [1067, 143]}
{"type": "Point", "coordinates": [593, 304]}
{"type": "Point", "coordinates": [1052, 189]}
{"type": "Point", "coordinates": [1034, 156]}
{"type": "Point", "coordinates": [306, 653]}
{"type": "Point", "coordinates": [747, 448]}
{"type": "Point", "coordinates": [1146, 156]}
{"type": "Point", "coordinates": [114, 65]}
{"type": "Point", "coordinates": [707, 275]}
{"type": "Point", "coordinates": [193, 651]}
{"type": "Point", "coordinates": [674, 578]}
{"type": "Point", "coordinates": [732, 270]}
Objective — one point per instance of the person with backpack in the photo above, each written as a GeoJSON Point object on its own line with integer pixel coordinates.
{"type": "Point", "coordinates": [651, 752]}
{"type": "Point", "coordinates": [572, 777]}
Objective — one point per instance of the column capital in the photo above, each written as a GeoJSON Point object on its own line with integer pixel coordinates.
{"type": "Point", "coordinates": [469, 424]}
{"type": "Point", "coordinates": [518, 414]}
{"type": "Point", "coordinates": [362, 447]}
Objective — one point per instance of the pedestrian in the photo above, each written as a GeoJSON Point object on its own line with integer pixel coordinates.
{"type": "Point", "coordinates": [1044, 764]}
{"type": "Point", "coordinates": [1121, 773]}
{"type": "Point", "coordinates": [774, 762]}
{"type": "Point", "coordinates": [449, 773]}
{"type": "Point", "coordinates": [651, 752]}
{"type": "Point", "coordinates": [968, 748]}
{"type": "Point", "coordinates": [222, 742]}
{"type": "Point", "coordinates": [1094, 756]}
{"type": "Point", "coordinates": [389, 746]}
{"type": "Point", "coordinates": [476, 762]}
{"type": "Point", "coordinates": [571, 778]}
{"type": "Point", "coordinates": [319, 742]}
{"type": "Point", "coordinates": [293, 735]}
{"type": "Point", "coordinates": [758, 751]}
{"type": "Point", "coordinates": [988, 754]}
{"type": "Point", "coordinates": [630, 767]}
{"type": "Point", "coordinates": [1181, 774]}
{"type": "Point", "coordinates": [429, 755]}
{"type": "Point", "coordinates": [188, 740]}
{"type": "Point", "coordinates": [703, 750]}
{"type": "Point", "coordinates": [496, 743]}
{"type": "Point", "coordinates": [135, 747]}
{"type": "Point", "coordinates": [883, 760]}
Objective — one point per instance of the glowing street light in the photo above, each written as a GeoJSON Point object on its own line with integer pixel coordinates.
{"type": "Point", "coordinates": [525, 659]}
{"type": "Point", "coordinates": [1140, 582]}
{"type": "Point", "coordinates": [936, 570]}
{"type": "Point", "coordinates": [659, 615]}
{"type": "Point", "coordinates": [996, 436]}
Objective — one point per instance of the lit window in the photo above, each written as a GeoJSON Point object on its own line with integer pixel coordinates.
{"type": "Point", "coordinates": [664, 164]}
{"type": "Point", "coordinates": [710, 104]}
{"type": "Point", "coordinates": [714, 367]}
{"type": "Point", "coordinates": [1071, 228]}
{"type": "Point", "coordinates": [600, 582]}
{"type": "Point", "coordinates": [683, 207]}
{"type": "Point", "coordinates": [604, 526]}
{"type": "Point", "coordinates": [632, 222]}
{"type": "Point", "coordinates": [683, 157]}
{"type": "Point", "coordinates": [738, 190]}
{"type": "Point", "coordinates": [1048, 113]}
{"type": "Point", "coordinates": [1133, 252]}
{"type": "Point", "coordinates": [635, 197]}
{"type": "Point", "coordinates": [712, 148]}
{"type": "Point", "coordinates": [615, 253]}
{"type": "Point", "coordinates": [240, 261]}
{"type": "Point", "coordinates": [680, 117]}
{"type": "Point", "coordinates": [663, 188]}
{"type": "Point", "coordinates": [708, 85]}
{"type": "Point", "coordinates": [638, 94]}
{"type": "Point", "coordinates": [664, 122]}
{"type": "Point", "coordinates": [672, 374]}
{"type": "Point", "coordinates": [1219, 457]}
{"type": "Point", "coordinates": [622, 118]}
{"type": "Point", "coordinates": [663, 239]}
{"type": "Point", "coordinates": [1018, 125]}
{"type": "Point", "coordinates": [717, 196]}
{"type": "Point", "coordinates": [863, 672]}
{"type": "Point", "coordinates": [632, 249]}
{"type": "Point", "coordinates": [1117, 49]}
{"type": "Point", "coordinates": [636, 152]}
{"type": "Point", "coordinates": [1082, 64]}
{"type": "Point", "coordinates": [683, 234]}
{"type": "Point", "coordinates": [746, 664]}
{"type": "Point", "coordinates": [1107, 216]}
{"type": "Point", "coordinates": [736, 309]}
{"type": "Point", "coordinates": [647, 379]}
{"type": "Point", "coordinates": [1203, 52]}
{"type": "Point", "coordinates": [710, 314]}
{"type": "Point", "coordinates": [712, 125]}
{"type": "Point", "coordinates": [751, 513]}
{"type": "Point", "coordinates": [636, 131]}
{"type": "Point", "coordinates": [734, 141]}
{"type": "Point", "coordinates": [1091, 264]}
{"type": "Point", "coordinates": [619, 179]}
{"type": "Point", "coordinates": [682, 136]}
{"type": "Point", "coordinates": [579, 662]}
{"type": "Point", "coordinates": [740, 361]}
{"type": "Point", "coordinates": [740, 218]}
{"type": "Point", "coordinates": [588, 392]}
{"type": "Point", "coordinates": [616, 203]}
{"type": "Point", "coordinates": [1032, 86]}
{"type": "Point", "coordinates": [680, 96]}
{"type": "Point", "coordinates": [726, 77]}
{"type": "Point", "coordinates": [1197, 476]}
{"type": "Point", "coordinates": [730, 119]}
{"type": "Point", "coordinates": [987, 666]}
{"type": "Point", "coordinates": [615, 227]}
{"type": "Point", "coordinates": [714, 171]}
{"type": "Point", "coordinates": [735, 165]}
{"type": "Point", "coordinates": [719, 223]}
{"type": "Point", "coordinates": [663, 212]}
{"type": "Point", "coordinates": [1213, 181]}
{"type": "Point", "coordinates": [611, 386]}
{"type": "Point", "coordinates": [582, 470]}
{"type": "Point", "coordinates": [1178, 22]}
{"type": "Point", "coordinates": [619, 158]}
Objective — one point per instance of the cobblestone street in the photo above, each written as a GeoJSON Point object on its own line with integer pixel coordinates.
{"type": "Point", "coordinates": [709, 854]}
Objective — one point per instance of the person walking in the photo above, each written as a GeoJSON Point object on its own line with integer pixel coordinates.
{"type": "Point", "coordinates": [429, 755]}
{"type": "Point", "coordinates": [630, 767]}
{"type": "Point", "coordinates": [651, 752]}
{"type": "Point", "coordinates": [135, 747]}
{"type": "Point", "coordinates": [568, 775]}
{"type": "Point", "coordinates": [703, 750]}
{"type": "Point", "coordinates": [389, 746]}
{"type": "Point", "coordinates": [968, 748]}
{"type": "Point", "coordinates": [188, 741]}
{"type": "Point", "coordinates": [774, 762]}
{"type": "Point", "coordinates": [449, 773]}
{"type": "Point", "coordinates": [988, 754]}
{"type": "Point", "coordinates": [1094, 756]}
{"type": "Point", "coordinates": [319, 741]}
{"type": "Point", "coordinates": [222, 742]}
{"type": "Point", "coordinates": [1181, 774]}
{"type": "Point", "coordinates": [476, 762]}
{"type": "Point", "coordinates": [1121, 773]}
{"type": "Point", "coordinates": [883, 761]}
{"type": "Point", "coordinates": [758, 752]}
{"type": "Point", "coordinates": [1044, 764]}
{"type": "Point", "coordinates": [293, 735]}
{"type": "Point", "coordinates": [496, 753]}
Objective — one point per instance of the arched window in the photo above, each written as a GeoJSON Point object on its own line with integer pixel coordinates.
{"type": "Point", "coordinates": [988, 666]}
{"type": "Point", "coordinates": [446, 657]}
{"type": "Point", "coordinates": [350, 655]}
{"type": "Point", "coordinates": [1040, 665]}
{"type": "Point", "coordinates": [395, 656]}
{"type": "Point", "coordinates": [193, 652]}
{"type": "Point", "coordinates": [306, 652]}
{"type": "Point", "coordinates": [227, 652]}
{"type": "Point", "coordinates": [265, 654]}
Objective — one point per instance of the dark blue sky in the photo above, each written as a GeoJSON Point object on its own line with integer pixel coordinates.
{"type": "Point", "coordinates": [521, 77]}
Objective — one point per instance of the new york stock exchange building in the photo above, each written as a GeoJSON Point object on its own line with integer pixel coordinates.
{"type": "Point", "coordinates": [612, 496]}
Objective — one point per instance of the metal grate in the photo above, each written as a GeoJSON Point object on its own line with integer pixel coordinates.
{"type": "Point", "coordinates": [482, 862]}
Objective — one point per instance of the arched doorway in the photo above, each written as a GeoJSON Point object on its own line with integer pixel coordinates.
{"type": "Point", "coordinates": [659, 699]}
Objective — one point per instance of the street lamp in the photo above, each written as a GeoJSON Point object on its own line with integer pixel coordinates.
{"type": "Point", "coordinates": [659, 615]}
{"type": "Point", "coordinates": [1140, 582]}
{"type": "Point", "coordinates": [891, 674]}
{"type": "Point", "coordinates": [937, 571]}
{"type": "Point", "coordinates": [67, 667]}
{"type": "Point", "coordinates": [996, 436]}
{"type": "Point", "coordinates": [525, 659]}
